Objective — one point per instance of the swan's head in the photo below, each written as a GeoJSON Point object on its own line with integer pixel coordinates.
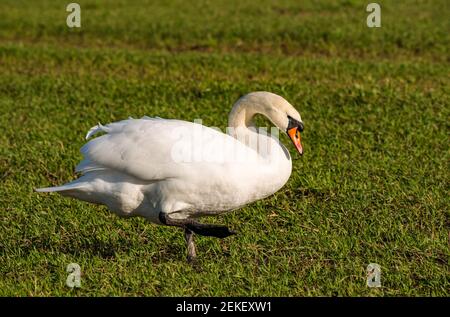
{"type": "Point", "coordinates": [275, 108]}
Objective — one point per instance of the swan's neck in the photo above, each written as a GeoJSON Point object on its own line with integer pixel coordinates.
{"type": "Point", "coordinates": [241, 119]}
{"type": "Point", "coordinates": [242, 114]}
{"type": "Point", "coordinates": [242, 127]}
{"type": "Point", "coordinates": [275, 164]}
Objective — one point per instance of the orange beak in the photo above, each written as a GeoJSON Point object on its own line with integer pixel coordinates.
{"type": "Point", "coordinates": [294, 134]}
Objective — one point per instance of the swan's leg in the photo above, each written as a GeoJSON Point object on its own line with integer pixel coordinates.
{"type": "Point", "coordinates": [189, 237]}
{"type": "Point", "coordinates": [197, 227]}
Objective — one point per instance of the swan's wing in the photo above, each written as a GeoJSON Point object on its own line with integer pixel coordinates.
{"type": "Point", "coordinates": [155, 148]}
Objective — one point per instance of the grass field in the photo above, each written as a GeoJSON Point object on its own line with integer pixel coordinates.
{"type": "Point", "coordinates": [372, 186]}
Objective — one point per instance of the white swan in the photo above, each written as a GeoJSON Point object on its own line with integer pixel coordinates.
{"type": "Point", "coordinates": [172, 171]}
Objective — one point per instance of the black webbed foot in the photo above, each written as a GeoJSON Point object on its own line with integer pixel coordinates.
{"type": "Point", "coordinates": [202, 229]}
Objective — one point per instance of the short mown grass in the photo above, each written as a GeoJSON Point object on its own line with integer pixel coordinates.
{"type": "Point", "coordinates": [372, 186]}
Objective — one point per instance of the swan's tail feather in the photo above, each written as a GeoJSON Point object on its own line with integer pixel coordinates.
{"type": "Point", "coordinates": [67, 187]}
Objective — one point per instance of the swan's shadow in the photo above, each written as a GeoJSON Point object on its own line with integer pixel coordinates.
{"type": "Point", "coordinates": [90, 246]}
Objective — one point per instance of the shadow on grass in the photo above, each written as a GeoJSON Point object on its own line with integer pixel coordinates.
{"type": "Point", "coordinates": [85, 245]}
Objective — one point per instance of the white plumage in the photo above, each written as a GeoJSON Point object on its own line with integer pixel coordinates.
{"type": "Point", "coordinates": [152, 166]}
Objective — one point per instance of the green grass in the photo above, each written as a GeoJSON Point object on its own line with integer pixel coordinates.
{"type": "Point", "coordinates": [372, 186]}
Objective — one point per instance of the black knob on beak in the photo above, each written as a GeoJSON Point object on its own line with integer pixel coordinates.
{"type": "Point", "coordinates": [295, 124]}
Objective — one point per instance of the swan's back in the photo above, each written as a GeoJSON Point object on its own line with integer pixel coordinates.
{"type": "Point", "coordinates": [154, 149]}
